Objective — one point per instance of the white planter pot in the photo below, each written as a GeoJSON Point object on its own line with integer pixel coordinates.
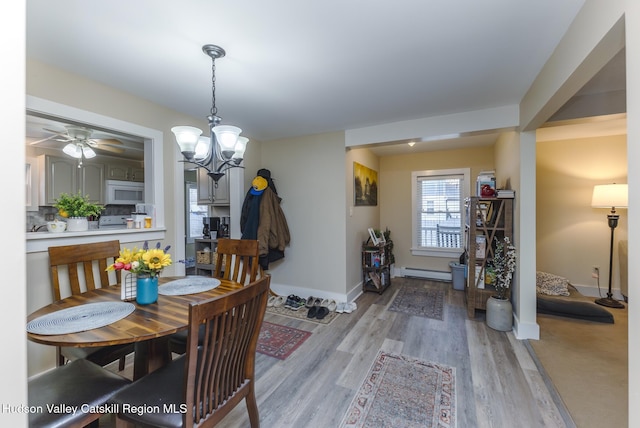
{"type": "Point", "coordinates": [77, 224]}
{"type": "Point", "coordinates": [499, 314]}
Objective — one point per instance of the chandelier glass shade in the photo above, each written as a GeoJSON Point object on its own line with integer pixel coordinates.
{"type": "Point", "coordinates": [225, 148]}
{"type": "Point", "coordinates": [78, 150]}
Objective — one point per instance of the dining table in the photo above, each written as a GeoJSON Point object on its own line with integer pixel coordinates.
{"type": "Point", "coordinates": [148, 327]}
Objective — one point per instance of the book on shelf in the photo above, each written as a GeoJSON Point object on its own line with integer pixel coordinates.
{"type": "Point", "coordinates": [505, 193]}
{"type": "Point", "coordinates": [375, 278]}
{"type": "Point", "coordinates": [481, 246]}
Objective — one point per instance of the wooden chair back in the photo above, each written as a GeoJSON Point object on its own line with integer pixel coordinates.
{"type": "Point", "coordinates": [237, 260]}
{"type": "Point", "coordinates": [86, 265]}
{"type": "Point", "coordinates": [82, 258]}
{"type": "Point", "coordinates": [221, 349]}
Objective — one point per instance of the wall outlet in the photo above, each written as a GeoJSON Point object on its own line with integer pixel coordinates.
{"type": "Point", "coordinates": [595, 272]}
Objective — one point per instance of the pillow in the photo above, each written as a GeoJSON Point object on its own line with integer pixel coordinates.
{"type": "Point", "coordinates": [552, 285]}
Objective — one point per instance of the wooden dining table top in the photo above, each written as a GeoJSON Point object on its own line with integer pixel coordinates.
{"type": "Point", "coordinates": [168, 315]}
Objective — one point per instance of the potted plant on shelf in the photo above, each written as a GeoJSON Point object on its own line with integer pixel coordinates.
{"type": "Point", "coordinates": [392, 257]}
{"type": "Point", "coordinates": [499, 309]}
{"type": "Point", "coordinates": [77, 209]}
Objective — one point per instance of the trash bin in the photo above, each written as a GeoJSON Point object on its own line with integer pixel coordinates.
{"type": "Point", "coordinates": [457, 275]}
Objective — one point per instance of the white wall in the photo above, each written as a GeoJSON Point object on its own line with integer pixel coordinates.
{"type": "Point", "coordinates": [360, 218]}
{"type": "Point", "coordinates": [632, 24]}
{"type": "Point", "coordinates": [309, 175]}
{"type": "Point", "coordinates": [571, 236]}
{"type": "Point", "coordinates": [13, 310]}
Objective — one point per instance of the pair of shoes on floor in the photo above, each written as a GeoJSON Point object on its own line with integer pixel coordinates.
{"type": "Point", "coordinates": [318, 312]}
{"type": "Point", "coordinates": [294, 302]}
{"type": "Point", "coordinates": [276, 301]}
{"type": "Point", "coordinates": [329, 304]}
{"type": "Point", "coordinates": [317, 301]}
{"type": "Point", "coordinates": [346, 307]}
{"type": "Point", "coordinates": [313, 301]}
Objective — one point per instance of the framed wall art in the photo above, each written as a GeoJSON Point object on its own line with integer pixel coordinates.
{"type": "Point", "coordinates": [365, 185]}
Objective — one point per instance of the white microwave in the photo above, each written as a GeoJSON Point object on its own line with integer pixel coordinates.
{"type": "Point", "coordinates": [124, 192]}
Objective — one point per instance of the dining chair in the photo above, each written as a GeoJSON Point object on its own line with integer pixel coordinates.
{"type": "Point", "coordinates": [237, 260]}
{"type": "Point", "coordinates": [85, 268]}
{"type": "Point", "coordinates": [215, 374]}
{"type": "Point", "coordinates": [80, 384]}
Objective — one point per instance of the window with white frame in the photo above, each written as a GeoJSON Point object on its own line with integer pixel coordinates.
{"type": "Point", "coordinates": [438, 211]}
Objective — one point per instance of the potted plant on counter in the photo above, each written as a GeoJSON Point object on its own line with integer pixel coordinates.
{"type": "Point", "coordinates": [77, 209]}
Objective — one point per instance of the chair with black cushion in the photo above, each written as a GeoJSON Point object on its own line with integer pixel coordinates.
{"type": "Point", "coordinates": [237, 260]}
{"type": "Point", "coordinates": [79, 383]}
{"type": "Point", "coordinates": [217, 372]}
{"type": "Point", "coordinates": [85, 267]}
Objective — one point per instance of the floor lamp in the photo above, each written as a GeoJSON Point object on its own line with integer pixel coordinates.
{"type": "Point", "coordinates": [610, 196]}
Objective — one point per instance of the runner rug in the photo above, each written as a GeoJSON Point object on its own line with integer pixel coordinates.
{"type": "Point", "coordinates": [404, 392]}
{"type": "Point", "coordinates": [280, 341]}
{"type": "Point", "coordinates": [419, 301]}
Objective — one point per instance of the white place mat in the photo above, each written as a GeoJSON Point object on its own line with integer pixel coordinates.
{"type": "Point", "coordinates": [188, 285]}
{"type": "Point", "coordinates": [80, 318]}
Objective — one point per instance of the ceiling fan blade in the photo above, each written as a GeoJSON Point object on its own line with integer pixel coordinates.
{"type": "Point", "coordinates": [107, 148]}
{"type": "Point", "coordinates": [111, 141]}
{"type": "Point", "coordinates": [54, 131]}
{"type": "Point", "coordinates": [42, 140]}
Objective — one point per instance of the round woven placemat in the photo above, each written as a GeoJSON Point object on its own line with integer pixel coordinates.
{"type": "Point", "coordinates": [80, 318]}
{"type": "Point", "coordinates": [188, 285]}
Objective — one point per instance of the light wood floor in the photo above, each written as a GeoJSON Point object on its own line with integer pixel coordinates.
{"type": "Point", "coordinates": [497, 381]}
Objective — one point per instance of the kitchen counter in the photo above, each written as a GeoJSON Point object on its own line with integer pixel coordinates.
{"type": "Point", "coordinates": [41, 241]}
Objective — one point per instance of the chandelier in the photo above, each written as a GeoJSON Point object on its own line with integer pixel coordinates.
{"type": "Point", "coordinates": [224, 149]}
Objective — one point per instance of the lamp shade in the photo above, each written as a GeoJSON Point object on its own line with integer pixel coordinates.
{"type": "Point", "coordinates": [610, 196]}
{"type": "Point", "coordinates": [73, 150]}
{"type": "Point", "coordinates": [240, 147]}
{"type": "Point", "coordinates": [88, 152]}
{"type": "Point", "coordinates": [187, 137]}
{"type": "Point", "coordinates": [227, 137]}
{"type": "Point", "coordinates": [202, 148]}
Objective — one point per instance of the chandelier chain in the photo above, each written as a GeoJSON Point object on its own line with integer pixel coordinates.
{"type": "Point", "coordinates": [214, 109]}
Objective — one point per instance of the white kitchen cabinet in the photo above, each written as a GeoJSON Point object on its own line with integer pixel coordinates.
{"type": "Point", "coordinates": [62, 175]}
{"type": "Point", "coordinates": [32, 183]}
{"type": "Point", "coordinates": [208, 193]}
{"type": "Point", "coordinates": [125, 171]}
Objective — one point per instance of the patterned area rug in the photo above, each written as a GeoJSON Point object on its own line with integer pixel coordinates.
{"type": "Point", "coordinates": [279, 341]}
{"type": "Point", "coordinates": [419, 301]}
{"type": "Point", "coordinates": [404, 392]}
{"type": "Point", "coordinates": [301, 314]}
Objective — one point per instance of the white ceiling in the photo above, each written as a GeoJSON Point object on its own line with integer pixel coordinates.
{"type": "Point", "coordinates": [298, 68]}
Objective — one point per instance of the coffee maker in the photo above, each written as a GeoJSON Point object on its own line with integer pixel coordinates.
{"type": "Point", "coordinates": [223, 229]}
{"type": "Point", "coordinates": [211, 224]}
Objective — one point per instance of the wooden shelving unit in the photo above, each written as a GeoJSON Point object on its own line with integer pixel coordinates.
{"type": "Point", "coordinates": [205, 250]}
{"type": "Point", "coordinates": [376, 267]}
{"type": "Point", "coordinates": [488, 221]}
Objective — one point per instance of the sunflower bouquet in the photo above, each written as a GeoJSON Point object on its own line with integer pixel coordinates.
{"type": "Point", "coordinates": [149, 261]}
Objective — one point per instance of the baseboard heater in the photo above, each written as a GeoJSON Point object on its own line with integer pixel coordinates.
{"type": "Point", "coordinates": [426, 274]}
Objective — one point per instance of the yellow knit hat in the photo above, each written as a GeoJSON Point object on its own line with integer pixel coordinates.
{"type": "Point", "coordinates": [259, 183]}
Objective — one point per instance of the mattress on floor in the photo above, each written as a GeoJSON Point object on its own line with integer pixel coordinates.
{"type": "Point", "coordinates": [573, 306]}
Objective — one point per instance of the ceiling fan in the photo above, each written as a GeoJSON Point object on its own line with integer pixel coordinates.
{"type": "Point", "coordinates": [80, 144]}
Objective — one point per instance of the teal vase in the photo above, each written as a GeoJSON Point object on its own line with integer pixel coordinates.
{"type": "Point", "coordinates": [147, 290]}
